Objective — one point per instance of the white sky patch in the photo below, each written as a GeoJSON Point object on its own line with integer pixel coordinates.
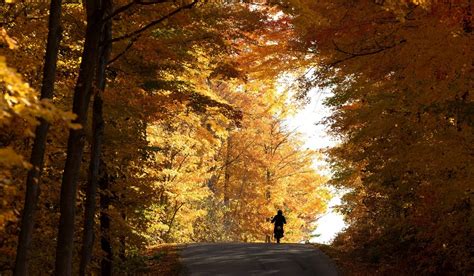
{"type": "Point", "coordinates": [307, 121]}
{"type": "Point", "coordinates": [329, 224]}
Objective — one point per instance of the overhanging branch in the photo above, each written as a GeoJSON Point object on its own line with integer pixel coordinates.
{"type": "Point", "coordinates": [131, 4]}
{"type": "Point", "coordinates": [351, 55]}
{"type": "Point", "coordinates": [153, 23]}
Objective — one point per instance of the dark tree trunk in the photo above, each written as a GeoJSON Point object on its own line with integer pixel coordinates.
{"type": "Point", "coordinates": [96, 149]}
{"type": "Point", "coordinates": [106, 263]}
{"type": "Point", "coordinates": [75, 147]}
{"type": "Point", "coordinates": [226, 188]}
{"type": "Point", "coordinates": [39, 144]}
{"type": "Point", "coordinates": [123, 242]}
{"type": "Point", "coordinates": [227, 173]}
{"type": "Point", "coordinates": [268, 191]}
{"type": "Point", "coordinates": [173, 217]}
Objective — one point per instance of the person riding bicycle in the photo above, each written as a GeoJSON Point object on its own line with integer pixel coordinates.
{"type": "Point", "coordinates": [278, 220]}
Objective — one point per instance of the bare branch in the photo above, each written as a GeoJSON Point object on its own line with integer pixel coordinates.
{"type": "Point", "coordinates": [130, 44]}
{"type": "Point", "coordinates": [120, 10]}
{"type": "Point", "coordinates": [351, 55]}
{"type": "Point", "coordinates": [131, 4]}
{"type": "Point", "coordinates": [153, 23]}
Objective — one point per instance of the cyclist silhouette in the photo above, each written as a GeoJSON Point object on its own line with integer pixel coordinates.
{"type": "Point", "coordinates": [278, 220]}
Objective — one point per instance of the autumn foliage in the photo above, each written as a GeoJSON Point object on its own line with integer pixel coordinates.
{"type": "Point", "coordinates": [402, 77]}
{"type": "Point", "coordinates": [166, 124]}
{"type": "Point", "coordinates": [183, 132]}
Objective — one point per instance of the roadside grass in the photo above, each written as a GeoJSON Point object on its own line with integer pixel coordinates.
{"type": "Point", "coordinates": [162, 259]}
{"type": "Point", "coordinates": [350, 263]}
{"type": "Point", "coordinates": [347, 263]}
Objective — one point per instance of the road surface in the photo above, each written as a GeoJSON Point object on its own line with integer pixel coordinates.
{"type": "Point", "coordinates": [255, 259]}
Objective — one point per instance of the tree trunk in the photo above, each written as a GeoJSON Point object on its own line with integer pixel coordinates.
{"type": "Point", "coordinates": [123, 241]}
{"type": "Point", "coordinates": [96, 149]}
{"type": "Point", "coordinates": [170, 224]}
{"type": "Point", "coordinates": [39, 144]}
{"type": "Point", "coordinates": [226, 188]}
{"type": "Point", "coordinates": [227, 173]}
{"type": "Point", "coordinates": [106, 263]}
{"type": "Point", "coordinates": [82, 94]}
{"type": "Point", "coordinates": [268, 191]}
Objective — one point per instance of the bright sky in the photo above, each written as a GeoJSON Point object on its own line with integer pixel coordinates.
{"type": "Point", "coordinates": [307, 121]}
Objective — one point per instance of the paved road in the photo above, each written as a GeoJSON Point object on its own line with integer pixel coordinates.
{"type": "Point", "coordinates": [255, 259]}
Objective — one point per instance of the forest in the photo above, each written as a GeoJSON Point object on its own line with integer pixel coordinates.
{"type": "Point", "coordinates": [127, 124]}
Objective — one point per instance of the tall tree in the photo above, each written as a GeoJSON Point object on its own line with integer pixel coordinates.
{"type": "Point", "coordinates": [96, 12]}
{"type": "Point", "coordinates": [39, 144]}
{"type": "Point", "coordinates": [96, 147]}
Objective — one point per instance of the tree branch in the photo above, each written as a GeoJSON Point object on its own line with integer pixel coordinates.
{"type": "Point", "coordinates": [351, 55]}
{"type": "Point", "coordinates": [153, 23]}
{"type": "Point", "coordinates": [129, 5]}
{"type": "Point", "coordinates": [291, 174]}
{"type": "Point", "coordinates": [124, 51]}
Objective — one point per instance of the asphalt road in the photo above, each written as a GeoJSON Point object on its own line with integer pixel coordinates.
{"type": "Point", "coordinates": [255, 259]}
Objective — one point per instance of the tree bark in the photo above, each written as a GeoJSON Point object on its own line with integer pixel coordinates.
{"type": "Point", "coordinates": [82, 94]}
{"type": "Point", "coordinates": [106, 262]}
{"type": "Point", "coordinates": [227, 173]}
{"type": "Point", "coordinates": [96, 149]}
{"type": "Point", "coordinates": [39, 144]}
{"type": "Point", "coordinates": [226, 187]}
{"type": "Point", "coordinates": [122, 241]}
{"type": "Point", "coordinates": [170, 224]}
